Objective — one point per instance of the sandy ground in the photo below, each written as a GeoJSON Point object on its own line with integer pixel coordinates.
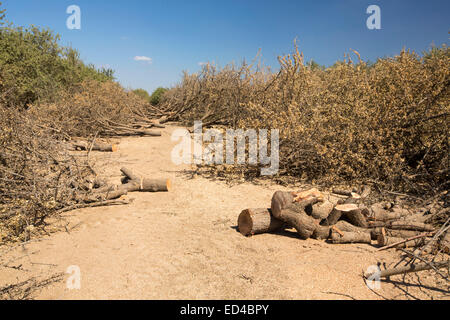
{"type": "Point", "coordinates": [184, 245]}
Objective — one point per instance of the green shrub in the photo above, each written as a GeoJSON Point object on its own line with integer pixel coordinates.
{"type": "Point", "coordinates": [156, 96]}
{"type": "Point", "coordinates": [143, 94]}
{"type": "Point", "coordinates": [34, 67]}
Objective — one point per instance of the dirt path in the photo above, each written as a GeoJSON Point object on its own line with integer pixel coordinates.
{"type": "Point", "coordinates": [183, 245]}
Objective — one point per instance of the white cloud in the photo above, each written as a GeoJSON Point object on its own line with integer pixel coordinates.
{"type": "Point", "coordinates": [202, 63]}
{"type": "Point", "coordinates": [143, 58]}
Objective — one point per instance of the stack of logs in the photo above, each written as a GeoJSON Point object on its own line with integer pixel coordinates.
{"type": "Point", "coordinates": [338, 220]}
{"type": "Point", "coordinates": [100, 190]}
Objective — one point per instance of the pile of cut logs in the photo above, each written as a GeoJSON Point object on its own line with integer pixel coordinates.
{"type": "Point", "coordinates": [338, 218]}
{"type": "Point", "coordinates": [348, 220]}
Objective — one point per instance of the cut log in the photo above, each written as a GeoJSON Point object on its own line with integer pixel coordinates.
{"type": "Point", "coordinates": [155, 185]}
{"type": "Point", "coordinates": [354, 198]}
{"type": "Point", "coordinates": [307, 194]}
{"type": "Point", "coordinates": [348, 227]}
{"type": "Point", "coordinates": [321, 210]}
{"type": "Point", "coordinates": [350, 237]}
{"type": "Point", "coordinates": [354, 216]}
{"type": "Point", "coordinates": [342, 192]}
{"type": "Point", "coordinates": [401, 225]}
{"type": "Point", "coordinates": [257, 221]}
{"type": "Point", "coordinates": [379, 213]}
{"type": "Point", "coordinates": [392, 242]}
{"type": "Point", "coordinates": [293, 214]}
{"type": "Point", "coordinates": [350, 211]}
{"type": "Point", "coordinates": [130, 174]}
{"type": "Point", "coordinates": [407, 225]}
{"type": "Point", "coordinates": [385, 241]}
{"type": "Point", "coordinates": [97, 146]}
{"type": "Point", "coordinates": [113, 192]}
{"type": "Point", "coordinates": [332, 218]}
{"type": "Point", "coordinates": [144, 184]}
{"type": "Point", "coordinates": [404, 234]}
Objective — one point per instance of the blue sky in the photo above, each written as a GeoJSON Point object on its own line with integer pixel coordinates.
{"type": "Point", "coordinates": [179, 35]}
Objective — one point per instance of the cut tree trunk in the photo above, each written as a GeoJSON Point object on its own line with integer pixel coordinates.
{"type": "Point", "coordinates": [155, 185]}
{"type": "Point", "coordinates": [381, 214]}
{"type": "Point", "coordinates": [401, 225]}
{"type": "Point", "coordinates": [407, 225]}
{"type": "Point", "coordinates": [321, 210]}
{"type": "Point", "coordinates": [342, 192]}
{"type": "Point", "coordinates": [145, 184]}
{"type": "Point", "coordinates": [109, 193]}
{"type": "Point", "coordinates": [292, 213]}
{"type": "Point", "coordinates": [257, 221]}
{"type": "Point", "coordinates": [97, 146]}
{"type": "Point", "coordinates": [130, 174]}
{"type": "Point", "coordinates": [384, 240]}
{"type": "Point", "coordinates": [348, 227]}
{"type": "Point", "coordinates": [405, 234]}
{"type": "Point", "coordinates": [350, 211]}
{"type": "Point", "coordinates": [350, 237]}
{"type": "Point", "coordinates": [332, 218]}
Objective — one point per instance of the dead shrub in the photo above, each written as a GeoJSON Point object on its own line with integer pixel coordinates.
{"type": "Point", "coordinates": [37, 175]}
{"type": "Point", "coordinates": [385, 123]}
{"type": "Point", "coordinates": [102, 108]}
